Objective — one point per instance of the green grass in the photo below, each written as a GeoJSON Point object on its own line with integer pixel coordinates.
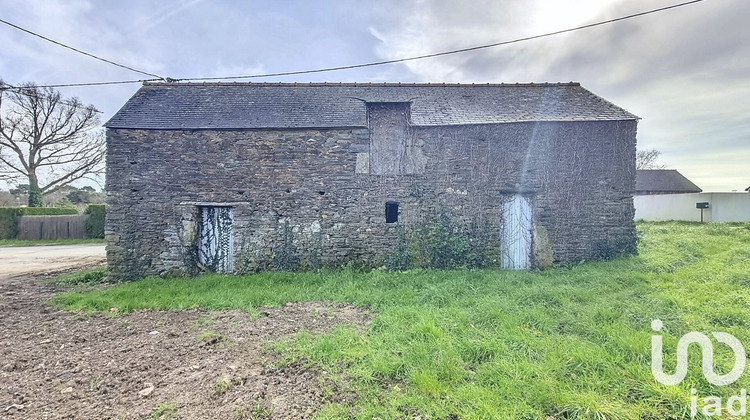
{"type": "Point", "coordinates": [211, 336]}
{"type": "Point", "coordinates": [568, 342]}
{"type": "Point", "coordinates": [36, 242]}
{"type": "Point", "coordinates": [165, 411]}
{"type": "Point", "coordinates": [222, 386]}
{"type": "Point", "coordinates": [84, 277]}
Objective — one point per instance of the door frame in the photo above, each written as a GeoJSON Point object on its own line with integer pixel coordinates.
{"type": "Point", "coordinates": [516, 230]}
{"type": "Point", "coordinates": [218, 254]}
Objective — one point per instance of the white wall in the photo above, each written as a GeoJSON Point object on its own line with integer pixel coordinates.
{"type": "Point", "coordinates": [723, 207]}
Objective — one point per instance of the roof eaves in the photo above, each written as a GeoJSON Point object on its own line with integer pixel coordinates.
{"type": "Point", "coordinates": [356, 84]}
{"type": "Point", "coordinates": [611, 105]}
{"type": "Point", "coordinates": [194, 128]}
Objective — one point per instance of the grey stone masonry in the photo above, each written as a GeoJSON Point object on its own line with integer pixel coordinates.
{"type": "Point", "coordinates": [305, 198]}
{"type": "Point", "coordinates": [303, 172]}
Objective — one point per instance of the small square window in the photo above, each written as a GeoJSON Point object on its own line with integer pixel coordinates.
{"type": "Point", "coordinates": [391, 212]}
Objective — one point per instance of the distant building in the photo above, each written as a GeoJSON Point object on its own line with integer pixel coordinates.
{"type": "Point", "coordinates": [664, 194]}
{"type": "Point", "coordinates": [256, 176]}
{"type": "Point", "coordinates": [663, 181]}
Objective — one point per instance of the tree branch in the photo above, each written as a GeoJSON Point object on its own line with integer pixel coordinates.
{"type": "Point", "coordinates": [48, 137]}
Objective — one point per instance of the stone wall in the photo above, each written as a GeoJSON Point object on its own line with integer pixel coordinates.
{"type": "Point", "coordinates": [307, 198]}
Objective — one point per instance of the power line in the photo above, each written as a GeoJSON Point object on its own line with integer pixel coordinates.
{"type": "Point", "coordinates": [79, 51]}
{"type": "Point", "coordinates": [380, 63]}
{"type": "Point", "coordinates": [439, 54]}
{"type": "Point", "coordinates": [119, 82]}
{"type": "Point", "coordinates": [33, 92]}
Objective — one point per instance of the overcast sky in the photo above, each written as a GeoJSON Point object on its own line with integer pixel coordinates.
{"type": "Point", "coordinates": [685, 72]}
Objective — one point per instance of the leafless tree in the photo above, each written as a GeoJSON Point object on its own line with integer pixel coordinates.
{"type": "Point", "coordinates": [8, 200]}
{"type": "Point", "coordinates": [646, 159]}
{"type": "Point", "coordinates": [46, 139]}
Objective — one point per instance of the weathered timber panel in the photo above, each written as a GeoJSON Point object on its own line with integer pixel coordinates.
{"type": "Point", "coordinates": [52, 227]}
{"type": "Point", "coordinates": [516, 226]}
{"type": "Point", "coordinates": [389, 129]}
{"type": "Point", "coordinates": [216, 239]}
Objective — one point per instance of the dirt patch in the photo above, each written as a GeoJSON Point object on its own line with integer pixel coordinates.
{"type": "Point", "coordinates": [182, 364]}
{"type": "Point", "coordinates": [48, 258]}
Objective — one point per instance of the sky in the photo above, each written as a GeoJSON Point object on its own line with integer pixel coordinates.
{"type": "Point", "coordinates": [685, 72]}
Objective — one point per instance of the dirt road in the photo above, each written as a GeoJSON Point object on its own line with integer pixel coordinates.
{"type": "Point", "coordinates": [41, 259]}
{"type": "Point", "coordinates": [191, 364]}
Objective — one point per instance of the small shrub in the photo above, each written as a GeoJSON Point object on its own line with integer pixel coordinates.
{"type": "Point", "coordinates": [211, 337]}
{"type": "Point", "coordinates": [165, 411]}
{"type": "Point", "coordinates": [95, 222]}
{"type": "Point", "coordinates": [65, 203]}
{"type": "Point", "coordinates": [9, 217]}
{"type": "Point", "coordinates": [46, 211]}
{"type": "Point", "coordinates": [8, 224]}
{"type": "Point", "coordinates": [399, 259]}
{"type": "Point", "coordinates": [443, 248]}
{"type": "Point", "coordinates": [447, 251]}
{"type": "Point", "coordinates": [93, 276]}
{"type": "Point", "coordinates": [442, 245]}
{"type": "Point", "coordinates": [222, 386]}
{"type": "Point", "coordinates": [260, 412]}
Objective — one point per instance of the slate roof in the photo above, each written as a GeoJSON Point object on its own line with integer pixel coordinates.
{"type": "Point", "coordinates": [663, 181]}
{"type": "Point", "coordinates": [337, 105]}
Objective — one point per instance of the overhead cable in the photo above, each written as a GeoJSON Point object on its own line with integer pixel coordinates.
{"type": "Point", "coordinates": [81, 52]}
{"type": "Point", "coordinates": [376, 63]}
{"type": "Point", "coordinates": [439, 54]}
{"type": "Point", "coordinates": [32, 92]}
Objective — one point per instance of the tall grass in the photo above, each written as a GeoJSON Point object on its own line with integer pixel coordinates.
{"type": "Point", "coordinates": [568, 342]}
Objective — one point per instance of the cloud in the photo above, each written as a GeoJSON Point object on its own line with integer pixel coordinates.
{"type": "Point", "coordinates": [683, 71]}
{"type": "Point", "coordinates": [146, 22]}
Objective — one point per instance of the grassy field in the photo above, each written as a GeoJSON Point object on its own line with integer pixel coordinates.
{"type": "Point", "coordinates": [568, 342]}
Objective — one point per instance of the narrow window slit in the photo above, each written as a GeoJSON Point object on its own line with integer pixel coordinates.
{"type": "Point", "coordinates": [391, 211]}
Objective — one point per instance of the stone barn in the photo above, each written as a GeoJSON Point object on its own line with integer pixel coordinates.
{"type": "Point", "coordinates": [256, 176]}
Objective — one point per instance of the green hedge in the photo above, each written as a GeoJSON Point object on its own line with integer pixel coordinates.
{"type": "Point", "coordinates": [95, 222]}
{"type": "Point", "coordinates": [9, 215]}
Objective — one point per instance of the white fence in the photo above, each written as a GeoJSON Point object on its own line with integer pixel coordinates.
{"type": "Point", "coordinates": [723, 207]}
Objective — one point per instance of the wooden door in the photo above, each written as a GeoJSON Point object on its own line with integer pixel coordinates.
{"type": "Point", "coordinates": [515, 232]}
{"type": "Point", "coordinates": [216, 239]}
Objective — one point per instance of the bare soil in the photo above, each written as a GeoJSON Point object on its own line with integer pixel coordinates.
{"type": "Point", "coordinates": [193, 364]}
{"type": "Point", "coordinates": [16, 260]}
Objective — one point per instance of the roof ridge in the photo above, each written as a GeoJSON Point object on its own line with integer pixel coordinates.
{"type": "Point", "coordinates": [220, 105]}
{"type": "Point", "coordinates": [360, 84]}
